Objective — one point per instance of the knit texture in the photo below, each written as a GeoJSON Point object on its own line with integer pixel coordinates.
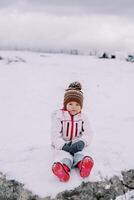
{"type": "Point", "coordinates": [73, 93]}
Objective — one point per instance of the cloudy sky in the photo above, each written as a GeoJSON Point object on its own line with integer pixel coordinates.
{"type": "Point", "coordinates": [65, 24]}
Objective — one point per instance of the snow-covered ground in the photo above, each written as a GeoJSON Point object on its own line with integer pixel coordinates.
{"type": "Point", "coordinates": [129, 195]}
{"type": "Point", "coordinates": [32, 87]}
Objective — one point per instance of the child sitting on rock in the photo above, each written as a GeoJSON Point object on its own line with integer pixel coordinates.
{"type": "Point", "coordinates": [71, 136]}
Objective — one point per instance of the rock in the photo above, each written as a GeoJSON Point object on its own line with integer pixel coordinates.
{"type": "Point", "coordinates": [13, 190]}
{"type": "Point", "coordinates": [130, 58]}
{"type": "Point", "coordinates": [128, 178]}
{"type": "Point", "coordinates": [102, 190]}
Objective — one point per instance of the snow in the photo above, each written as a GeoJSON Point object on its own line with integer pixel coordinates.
{"type": "Point", "coordinates": [129, 195]}
{"type": "Point", "coordinates": [32, 87]}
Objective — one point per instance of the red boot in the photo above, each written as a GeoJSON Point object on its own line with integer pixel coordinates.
{"type": "Point", "coordinates": [85, 166]}
{"type": "Point", "coordinates": [61, 171]}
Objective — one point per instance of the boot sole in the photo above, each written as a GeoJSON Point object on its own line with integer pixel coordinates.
{"type": "Point", "coordinates": [86, 167]}
{"type": "Point", "coordinates": [60, 172]}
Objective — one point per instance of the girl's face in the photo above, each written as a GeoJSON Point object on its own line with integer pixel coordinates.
{"type": "Point", "coordinates": [73, 107]}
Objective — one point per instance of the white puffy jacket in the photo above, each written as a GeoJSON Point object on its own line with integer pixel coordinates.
{"type": "Point", "coordinates": [66, 128]}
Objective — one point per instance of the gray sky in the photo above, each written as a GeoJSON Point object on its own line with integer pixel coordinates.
{"type": "Point", "coordinates": [64, 7]}
{"type": "Point", "coordinates": [65, 24]}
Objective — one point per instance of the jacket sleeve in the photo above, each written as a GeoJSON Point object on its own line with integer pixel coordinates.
{"type": "Point", "coordinates": [56, 134]}
{"type": "Point", "coordinates": [87, 133]}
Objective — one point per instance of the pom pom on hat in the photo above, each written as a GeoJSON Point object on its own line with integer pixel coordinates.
{"type": "Point", "coordinates": [75, 85]}
{"type": "Point", "coordinates": [74, 93]}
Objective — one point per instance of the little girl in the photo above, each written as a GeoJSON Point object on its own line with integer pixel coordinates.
{"type": "Point", "coordinates": [71, 136]}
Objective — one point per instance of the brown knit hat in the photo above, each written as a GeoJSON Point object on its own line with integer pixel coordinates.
{"type": "Point", "coordinates": [73, 93]}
